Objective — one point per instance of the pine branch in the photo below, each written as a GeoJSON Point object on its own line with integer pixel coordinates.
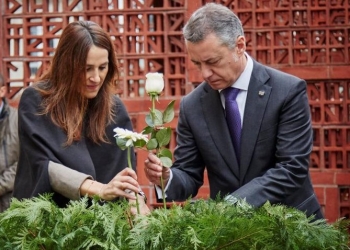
{"type": "Point", "coordinates": [203, 225]}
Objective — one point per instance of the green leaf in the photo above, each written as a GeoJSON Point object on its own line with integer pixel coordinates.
{"type": "Point", "coordinates": [153, 134]}
{"type": "Point", "coordinates": [157, 117]}
{"type": "Point", "coordinates": [163, 136]}
{"type": "Point", "coordinates": [148, 120]}
{"type": "Point", "coordinates": [166, 153]}
{"type": "Point", "coordinates": [121, 143]}
{"type": "Point", "coordinates": [139, 143]}
{"type": "Point", "coordinates": [166, 162]}
{"type": "Point", "coordinates": [147, 130]}
{"type": "Point", "coordinates": [169, 113]}
{"type": "Point", "coordinates": [152, 144]}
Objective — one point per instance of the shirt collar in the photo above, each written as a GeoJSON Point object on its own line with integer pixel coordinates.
{"type": "Point", "coordinates": [243, 80]}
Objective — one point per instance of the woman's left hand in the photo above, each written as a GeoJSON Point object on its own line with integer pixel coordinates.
{"type": "Point", "coordinates": [124, 181]}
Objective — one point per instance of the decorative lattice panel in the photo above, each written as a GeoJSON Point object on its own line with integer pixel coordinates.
{"type": "Point", "coordinates": [330, 109]}
{"type": "Point", "coordinates": [147, 35]}
{"type": "Point", "coordinates": [344, 201]}
{"type": "Point", "coordinates": [295, 32]}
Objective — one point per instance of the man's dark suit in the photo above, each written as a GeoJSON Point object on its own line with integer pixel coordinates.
{"type": "Point", "coordinates": [275, 145]}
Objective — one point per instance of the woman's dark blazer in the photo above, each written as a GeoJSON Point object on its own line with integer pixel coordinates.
{"type": "Point", "coordinates": [42, 141]}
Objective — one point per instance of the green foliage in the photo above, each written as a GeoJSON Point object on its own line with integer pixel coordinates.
{"type": "Point", "coordinates": [130, 139]}
{"type": "Point", "coordinates": [163, 137]}
{"type": "Point", "coordinates": [157, 118]}
{"type": "Point", "coordinates": [152, 144]}
{"type": "Point", "coordinates": [169, 114]}
{"type": "Point", "coordinates": [121, 143]}
{"type": "Point", "coordinates": [154, 118]}
{"type": "Point", "coordinates": [39, 224]}
{"type": "Point", "coordinates": [159, 136]}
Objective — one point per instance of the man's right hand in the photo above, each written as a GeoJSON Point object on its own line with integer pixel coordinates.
{"type": "Point", "coordinates": [154, 170]}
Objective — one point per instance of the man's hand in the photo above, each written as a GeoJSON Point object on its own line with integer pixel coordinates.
{"type": "Point", "coordinates": [154, 170]}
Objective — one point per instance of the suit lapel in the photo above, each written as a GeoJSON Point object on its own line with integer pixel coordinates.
{"type": "Point", "coordinates": [211, 104]}
{"type": "Point", "coordinates": [257, 99]}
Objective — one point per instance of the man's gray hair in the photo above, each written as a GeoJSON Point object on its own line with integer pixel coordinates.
{"type": "Point", "coordinates": [213, 18]}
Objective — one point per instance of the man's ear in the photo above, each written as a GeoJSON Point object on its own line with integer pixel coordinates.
{"type": "Point", "coordinates": [240, 45]}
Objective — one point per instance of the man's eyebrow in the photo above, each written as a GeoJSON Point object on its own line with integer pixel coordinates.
{"type": "Point", "coordinates": [208, 60]}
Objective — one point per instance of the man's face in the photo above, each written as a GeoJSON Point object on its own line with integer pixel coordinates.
{"type": "Point", "coordinates": [220, 66]}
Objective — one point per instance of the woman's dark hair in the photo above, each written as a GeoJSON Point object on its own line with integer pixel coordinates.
{"type": "Point", "coordinates": [62, 86]}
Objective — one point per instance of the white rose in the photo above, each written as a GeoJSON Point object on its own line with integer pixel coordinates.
{"type": "Point", "coordinates": [154, 83]}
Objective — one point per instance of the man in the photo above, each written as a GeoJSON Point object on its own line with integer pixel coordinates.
{"type": "Point", "coordinates": [275, 141]}
{"type": "Point", "coordinates": [9, 148]}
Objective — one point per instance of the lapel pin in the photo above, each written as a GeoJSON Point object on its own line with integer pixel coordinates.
{"type": "Point", "coordinates": [261, 93]}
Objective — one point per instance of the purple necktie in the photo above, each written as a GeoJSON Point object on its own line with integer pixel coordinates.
{"type": "Point", "coordinates": [233, 117]}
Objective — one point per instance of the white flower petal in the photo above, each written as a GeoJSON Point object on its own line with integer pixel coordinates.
{"type": "Point", "coordinates": [131, 136]}
{"type": "Point", "coordinates": [154, 83]}
{"type": "Point", "coordinates": [129, 143]}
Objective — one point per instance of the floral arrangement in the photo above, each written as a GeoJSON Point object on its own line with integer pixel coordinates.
{"type": "Point", "coordinates": [158, 135]}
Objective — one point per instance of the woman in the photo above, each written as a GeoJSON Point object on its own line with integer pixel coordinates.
{"type": "Point", "coordinates": [66, 123]}
{"type": "Point", "coordinates": [9, 147]}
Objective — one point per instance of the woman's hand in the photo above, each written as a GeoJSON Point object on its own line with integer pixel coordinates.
{"type": "Point", "coordinates": [125, 180]}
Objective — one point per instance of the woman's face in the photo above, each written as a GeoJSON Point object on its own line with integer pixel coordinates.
{"type": "Point", "coordinates": [96, 71]}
